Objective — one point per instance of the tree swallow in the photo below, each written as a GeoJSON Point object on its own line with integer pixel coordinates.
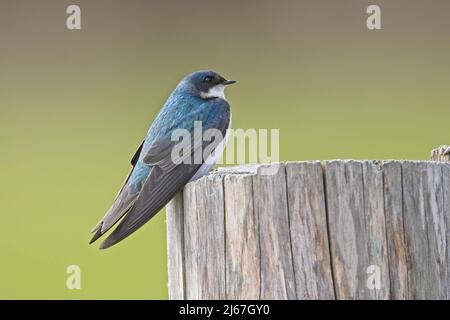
{"type": "Point", "coordinates": [155, 177]}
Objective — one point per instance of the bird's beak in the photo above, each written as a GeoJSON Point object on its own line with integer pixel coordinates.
{"type": "Point", "coordinates": [227, 82]}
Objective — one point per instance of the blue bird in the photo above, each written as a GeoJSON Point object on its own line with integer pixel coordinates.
{"type": "Point", "coordinates": [155, 177]}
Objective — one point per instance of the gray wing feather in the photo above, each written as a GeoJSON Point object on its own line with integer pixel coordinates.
{"type": "Point", "coordinates": [160, 152]}
{"type": "Point", "coordinates": [164, 181]}
{"type": "Point", "coordinates": [121, 205]}
{"type": "Point", "coordinates": [159, 188]}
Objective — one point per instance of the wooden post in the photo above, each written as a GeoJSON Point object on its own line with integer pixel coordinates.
{"type": "Point", "coordinates": [339, 229]}
{"type": "Point", "coordinates": [441, 154]}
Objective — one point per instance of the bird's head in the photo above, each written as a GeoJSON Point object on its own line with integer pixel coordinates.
{"type": "Point", "coordinates": [206, 84]}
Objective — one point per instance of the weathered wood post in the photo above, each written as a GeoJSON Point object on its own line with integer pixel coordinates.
{"type": "Point", "coordinates": [441, 154]}
{"type": "Point", "coordinates": [341, 229]}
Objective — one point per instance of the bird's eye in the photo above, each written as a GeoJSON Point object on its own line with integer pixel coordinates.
{"type": "Point", "coordinates": [207, 79]}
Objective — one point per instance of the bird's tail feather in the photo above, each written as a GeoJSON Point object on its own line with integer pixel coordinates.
{"type": "Point", "coordinates": [118, 210]}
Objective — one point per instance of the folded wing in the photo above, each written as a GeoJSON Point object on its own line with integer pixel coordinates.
{"type": "Point", "coordinates": [167, 177]}
{"type": "Point", "coordinates": [123, 202]}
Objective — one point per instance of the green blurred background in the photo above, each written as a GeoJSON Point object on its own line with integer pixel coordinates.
{"type": "Point", "coordinates": [74, 105]}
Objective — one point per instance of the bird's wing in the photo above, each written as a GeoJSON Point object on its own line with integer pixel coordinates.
{"type": "Point", "coordinates": [160, 152]}
{"type": "Point", "coordinates": [166, 178]}
{"type": "Point", "coordinates": [133, 162]}
{"type": "Point", "coordinates": [121, 204]}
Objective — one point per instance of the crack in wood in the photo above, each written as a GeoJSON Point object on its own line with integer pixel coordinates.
{"type": "Point", "coordinates": [311, 230]}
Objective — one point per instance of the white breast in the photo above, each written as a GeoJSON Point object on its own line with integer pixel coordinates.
{"type": "Point", "coordinates": [213, 157]}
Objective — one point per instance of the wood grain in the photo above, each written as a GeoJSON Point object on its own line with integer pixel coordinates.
{"type": "Point", "coordinates": [339, 229]}
{"type": "Point", "coordinates": [309, 236]}
{"type": "Point", "coordinates": [270, 205]}
{"type": "Point", "coordinates": [204, 241]}
{"type": "Point", "coordinates": [425, 232]}
{"type": "Point", "coordinates": [175, 247]}
{"type": "Point", "coordinates": [346, 218]}
{"type": "Point", "coordinates": [441, 154]}
{"type": "Point", "coordinates": [393, 208]}
{"type": "Point", "coordinates": [242, 239]}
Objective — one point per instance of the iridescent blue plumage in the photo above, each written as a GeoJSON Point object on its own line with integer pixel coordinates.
{"type": "Point", "coordinates": [198, 97]}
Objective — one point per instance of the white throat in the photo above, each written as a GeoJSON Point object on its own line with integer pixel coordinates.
{"type": "Point", "coordinates": [218, 91]}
